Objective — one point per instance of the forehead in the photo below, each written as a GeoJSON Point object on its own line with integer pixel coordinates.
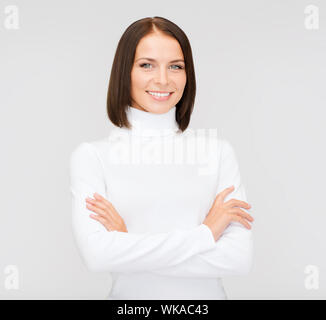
{"type": "Point", "coordinates": [159, 46]}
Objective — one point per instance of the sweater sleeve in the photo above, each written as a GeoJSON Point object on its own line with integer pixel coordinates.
{"type": "Point", "coordinates": [233, 251]}
{"type": "Point", "coordinates": [115, 251]}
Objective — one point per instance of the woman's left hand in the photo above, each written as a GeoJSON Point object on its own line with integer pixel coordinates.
{"type": "Point", "coordinates": [106, 213]}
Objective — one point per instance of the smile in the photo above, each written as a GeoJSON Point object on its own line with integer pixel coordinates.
{"type": "Point", "coordinates": [160, 96]}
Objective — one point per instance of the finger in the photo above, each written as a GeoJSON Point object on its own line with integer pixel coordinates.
{"type": "Point", "coordinates": [242, 213]}
{"type": "Point", "coordinates": [96, 203]}
{"type": "Point", "coordinates": [99, 204]}
{"type": "Point", "coordinates": [221, 196]}
{"type": "Point", "coordinates": [105, 201]}
{"type": "Point", "coordinates": [237, 203]}
{"type": "Point", "coordinates": [101, 220]}
{"type": "Point", "coordinates": [102, 199]}
{"type": "Point", "coordinates": [97, 210]}
{"type": "Point", "coordinates": [112, 211]}
{"type": "Point", "coordinates": [237, 218]}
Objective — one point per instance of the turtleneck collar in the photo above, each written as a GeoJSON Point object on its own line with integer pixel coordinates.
{"type": "Point", "coordinates": [152, 124]}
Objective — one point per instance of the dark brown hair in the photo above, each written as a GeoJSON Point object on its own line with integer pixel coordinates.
{"type": "Point", "coordinates": [119, 97]}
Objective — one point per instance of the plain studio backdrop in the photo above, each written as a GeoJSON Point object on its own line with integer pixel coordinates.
{"type": "Point", "coordinates": [261, 74]}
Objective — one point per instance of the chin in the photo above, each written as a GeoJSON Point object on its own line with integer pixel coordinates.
{"type": "Point", "coordinates": [159, 109]}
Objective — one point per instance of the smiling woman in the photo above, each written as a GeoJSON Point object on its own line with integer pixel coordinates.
{"type": "Point", "coordinates": [165, 230]}
{"type": "Point", "coordinates": [154, 62]}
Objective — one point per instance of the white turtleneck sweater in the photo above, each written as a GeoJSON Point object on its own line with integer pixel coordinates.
{"type": "Point", "coordinates": [162, 182]}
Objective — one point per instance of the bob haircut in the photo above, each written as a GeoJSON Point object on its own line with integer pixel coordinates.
{"type": "Point", "coordinates": [119, 97]}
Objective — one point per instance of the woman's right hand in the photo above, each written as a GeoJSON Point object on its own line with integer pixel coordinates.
{"type": "Point", "coordinates": [222, 213]}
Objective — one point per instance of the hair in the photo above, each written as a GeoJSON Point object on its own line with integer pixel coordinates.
{"type": "Point", "coordinates": [119, 93]}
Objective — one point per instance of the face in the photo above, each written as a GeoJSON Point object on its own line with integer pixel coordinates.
{"type": "Point", "coordinates": [158, 67]}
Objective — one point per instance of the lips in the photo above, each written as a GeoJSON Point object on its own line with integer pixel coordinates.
{"type": "Point", "coordinates": [160, 98]}
{"type": "Point", "coordinates": [159, 91]}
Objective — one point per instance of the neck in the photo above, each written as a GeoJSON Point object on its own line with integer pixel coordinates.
{"type": "Point", "coordinates": [152, 124]}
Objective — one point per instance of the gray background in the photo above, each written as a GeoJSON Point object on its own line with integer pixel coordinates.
{"type": "Point", "coordinates": [261, 80]}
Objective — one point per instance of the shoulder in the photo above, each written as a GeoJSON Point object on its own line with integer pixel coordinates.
{"type": "Point", "coordinates": [90, 147]}
{"type": "Point", "coordinates": [205, 135]}
{"type": "Point", "coordinates": [211, 138]}
{"type": "Point", "coordinates": [229, 158]}
{"type": "Point", "coordinates": [227, 147]}
{"type": "Point", "coordinates": [88, 153]}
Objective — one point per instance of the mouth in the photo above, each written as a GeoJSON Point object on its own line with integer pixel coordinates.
{"type": "Point", "coordinates": [160, 95]}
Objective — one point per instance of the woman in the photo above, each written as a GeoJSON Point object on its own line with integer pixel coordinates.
{"type": "Point", "coordinates": [163, 225]}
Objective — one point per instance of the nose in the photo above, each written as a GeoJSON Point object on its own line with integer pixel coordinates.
{"type": "Point", "coordinates": [162, 76]}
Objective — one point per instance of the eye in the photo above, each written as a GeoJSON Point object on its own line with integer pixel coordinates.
{"type": "Point", "coordinates": [179, 67]}
{"type": "Point", "coordinates": [144, 64]}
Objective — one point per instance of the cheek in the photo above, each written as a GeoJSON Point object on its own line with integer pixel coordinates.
{"type": "Point", "coordinates": [181, 81]}
{"type": "Point", "coordinates": [138, 80]}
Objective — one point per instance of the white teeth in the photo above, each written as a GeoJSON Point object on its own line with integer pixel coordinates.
{"type": "Point", "coordinates": [158, 94]}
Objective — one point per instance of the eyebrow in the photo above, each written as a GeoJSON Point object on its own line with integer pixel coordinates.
{"type": "Point", "coordinates": [150, 59]}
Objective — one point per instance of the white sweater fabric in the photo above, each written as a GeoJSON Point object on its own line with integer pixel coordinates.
{"type": "Point", "coordinates": [162, 182]}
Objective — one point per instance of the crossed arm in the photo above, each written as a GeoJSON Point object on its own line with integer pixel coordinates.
{"type": "Point", "coordinates": [181, 253]}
